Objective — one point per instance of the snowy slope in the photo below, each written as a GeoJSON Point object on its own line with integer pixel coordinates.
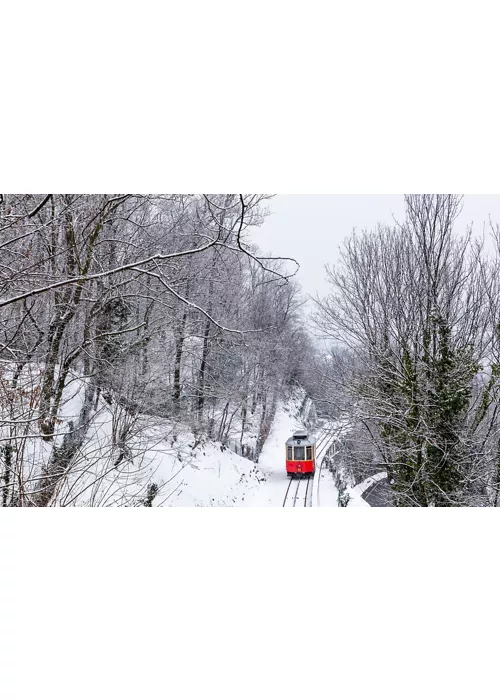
{"type": "Point", "coordinates": [187, 471]}
{"type": "Point", "coordinates": [165, 460]}
{"type": "Point", "coordinates": [208, 475]}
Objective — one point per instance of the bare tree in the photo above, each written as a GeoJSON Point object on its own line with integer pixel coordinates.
{"type": "Point", "coordinates": [408, 302]}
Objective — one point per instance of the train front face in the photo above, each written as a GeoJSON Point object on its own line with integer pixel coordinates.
{"type": "Point", "coordinates": [300, 457]}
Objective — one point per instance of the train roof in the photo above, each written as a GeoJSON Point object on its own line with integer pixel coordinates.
{"type": "Point", "coordinates": [300, 437]}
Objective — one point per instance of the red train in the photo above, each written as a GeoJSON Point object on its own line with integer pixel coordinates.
{"type": "Point", "coordinates": [300, 454]}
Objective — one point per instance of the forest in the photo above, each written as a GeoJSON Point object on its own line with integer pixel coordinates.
{"type": "Point", "coordinates": [126, 318]}
{"type": "Point", "coordinates": [143, 306]}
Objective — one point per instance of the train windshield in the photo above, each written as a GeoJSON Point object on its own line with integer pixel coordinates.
{"type": "Point", "coordinates": [299, 453]}
{"type": "Point", "coordinates": [309, 453]}
{"type": "Point", "coordinates": [289, 453]}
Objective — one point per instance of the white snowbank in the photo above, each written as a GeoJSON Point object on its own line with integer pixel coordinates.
{"type": "Point", "coordinates": [356, 492]}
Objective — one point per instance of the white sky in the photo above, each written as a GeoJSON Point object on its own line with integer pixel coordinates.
{"type": "Point", "coordinates": [311, 227]}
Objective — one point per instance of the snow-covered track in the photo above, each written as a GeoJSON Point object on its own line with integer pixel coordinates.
{"type": "Point", "coordinates": [323, 443]}
{"type": "Point", "coordinates": [300, 495]}
{"type": "Point", "coordinates": [306, 501]}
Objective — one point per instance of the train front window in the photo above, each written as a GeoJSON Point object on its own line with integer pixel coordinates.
{"type": "Point", "coordinates": [299, 453]}
{"type": "Point", "coordinates": [289, 454]}
{"type": "Point", "coordinates": [309, 453]}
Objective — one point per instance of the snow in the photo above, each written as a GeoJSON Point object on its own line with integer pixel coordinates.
{"type": "Point", "coordinates": [209, 475]}
{"type": "Point", "coordinates": [218, 477]}
{"type": "Point", "coordinates": [187, 473]}
{"type": "Point", "coordinates": [187, 470]}
{"type": "Point", "coordinates": [356, 492]}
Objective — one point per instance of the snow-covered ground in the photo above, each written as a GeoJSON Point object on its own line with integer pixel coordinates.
{"type": "Point", "coordinates": [214, 476]}
{"type": "Point", "coordinates": [356, 492]}
{"type": "Point", "coordinates": [187, 471]}
{"type": "Point", "coordinates": [222, 478]}
{"type": "Point", "coordinates": [168, 461]}
{"type": "Point", "coordinates": [211, 476]}
{"type": "Point", "coordinates": [205, 474]}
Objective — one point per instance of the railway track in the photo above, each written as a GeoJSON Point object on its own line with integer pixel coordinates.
{"type": "Point", "coordinates": [301, 495]}
{"type": "Point", "coordinates": [323, 442]}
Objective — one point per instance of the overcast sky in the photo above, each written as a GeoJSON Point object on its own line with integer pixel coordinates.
{"type": "Point", "coordinates": [311, 227]}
